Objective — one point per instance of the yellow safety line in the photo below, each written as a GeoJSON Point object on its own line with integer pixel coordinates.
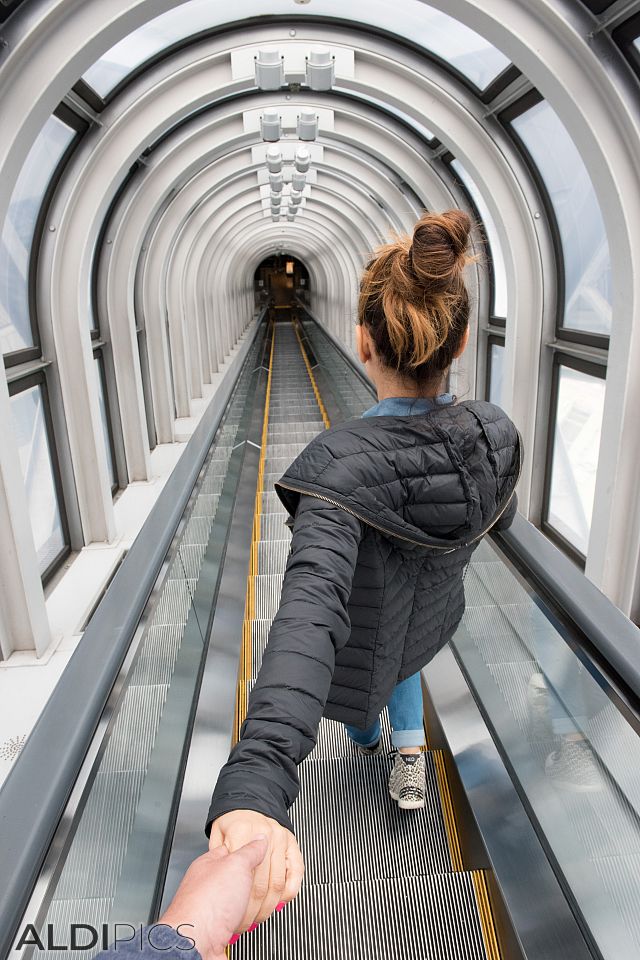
{"type": "Point", "coordinates": [447, 810]}
{"type": "Point", "coordinates": [244, 670]}
{"type": "Point", "coordinates": [485, 912]}
{"type": "Point", "coordinates": [325, 417]}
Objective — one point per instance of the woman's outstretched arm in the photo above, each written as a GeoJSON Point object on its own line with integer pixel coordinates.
{"type": "Point", "coordinates": [259, 782]}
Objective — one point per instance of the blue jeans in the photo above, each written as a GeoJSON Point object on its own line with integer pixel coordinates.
{"type": "Point", "coordinates": [405, 716]}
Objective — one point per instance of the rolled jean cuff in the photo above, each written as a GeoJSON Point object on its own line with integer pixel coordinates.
{"type": "Point", "coordinates": [408, 738]}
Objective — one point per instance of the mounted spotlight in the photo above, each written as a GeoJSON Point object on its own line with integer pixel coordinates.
{"type": "Point", "coordinates": [298, 180]}
{"type": "Point", "coordinates": [274, 159]}
{"type": "Point", "coordinates": [295, 197]}
{"type": "Point", "coordinates": [302, 160]}
{"type": "Point", "coordinates": [320, 69]}
{"type": "Point", "coordinates": [307, 125]}
{"type": "Point", "coordinates": [270, 70]}
{"type": "Point", "coordinates": [270, 126]}
{"type": "Point", "coordinates": [276, 199]}
{"type": "Point", "coordinates": [276, 218]}
{"type": "Point", "coordinates": [275, 212]}
{"type": "Point", "coordinates": [276, 180]}
{"type": "Point", "coordinates": [291, 215]}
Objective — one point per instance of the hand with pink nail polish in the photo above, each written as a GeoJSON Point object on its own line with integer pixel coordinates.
{"type": "Point", "coordinates": [212, 899]}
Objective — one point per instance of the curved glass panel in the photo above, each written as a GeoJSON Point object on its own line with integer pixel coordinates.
{"type": "Point", "coordinates": [104, 418]}
{"type": "Point", "coordinates": [496, 362]}
{"type": "Point", "coordinates": [29, 424]}
{"type": "Point", "coordinates": [576, 444]}
{"type": "Point", "coordinates": [467, 51]}
{"type": "Point", "coordinates": [19, 228]}
{"type": "Point", "coordinates": [585, 250]}
{"type": "Point", "coordinates": [499, 306]}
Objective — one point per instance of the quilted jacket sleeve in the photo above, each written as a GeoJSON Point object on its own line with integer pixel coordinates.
{"type": "Point", "coordinates": [507, 517]}
{"type": "Point", "coordinates": [288, 699]}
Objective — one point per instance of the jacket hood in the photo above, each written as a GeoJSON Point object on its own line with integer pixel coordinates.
{"type": "Point", "coordinates": [438, 479]}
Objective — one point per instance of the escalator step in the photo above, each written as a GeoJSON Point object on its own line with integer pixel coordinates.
{"type": "Point", "coordinates": [348, 799]}
{"type": "Point", "coordinates": [410, 918]}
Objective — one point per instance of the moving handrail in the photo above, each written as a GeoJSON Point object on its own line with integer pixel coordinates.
{"type": "Point", "coordinates": [34, 796]}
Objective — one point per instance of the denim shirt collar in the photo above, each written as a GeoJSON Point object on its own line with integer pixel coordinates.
{"type": "Point", "coordinates": [406, 406]}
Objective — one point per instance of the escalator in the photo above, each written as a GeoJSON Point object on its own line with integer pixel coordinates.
{"type": "Point", "coordinates": [437, 883]}
{"type": "Point", "coordinates": [400, 876]}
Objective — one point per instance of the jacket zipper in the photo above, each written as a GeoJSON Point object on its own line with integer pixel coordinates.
{"type": "Point", "coordinates": [391, 533]}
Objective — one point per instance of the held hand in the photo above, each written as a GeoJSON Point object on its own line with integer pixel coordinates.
{"type": "Point", "coordinates": [212, 899]}
{"type": "Point", "coordinates": [279, 876]}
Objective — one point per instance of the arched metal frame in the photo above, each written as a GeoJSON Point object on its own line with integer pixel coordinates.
{"type": "Point", "coordinates": [199, 248]}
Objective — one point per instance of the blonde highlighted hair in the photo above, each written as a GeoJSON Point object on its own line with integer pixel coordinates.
{"type": "Point", "coordinates": [413, 299]}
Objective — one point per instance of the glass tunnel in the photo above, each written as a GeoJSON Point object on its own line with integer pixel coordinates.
{"type": "Point", "coordinates": [189, 193]}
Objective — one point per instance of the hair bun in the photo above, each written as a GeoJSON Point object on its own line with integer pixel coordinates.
{"type": "Point", "coordinates": [437, 255]}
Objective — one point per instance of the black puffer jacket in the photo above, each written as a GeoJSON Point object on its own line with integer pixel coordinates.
{"type": "Point", "coordinates": [388, 511]}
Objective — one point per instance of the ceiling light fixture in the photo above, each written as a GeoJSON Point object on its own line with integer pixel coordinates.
{"type": "Point", "coordinates": [307, 125]}
{"type": "Point", "coordinates": [302, 160]}
{"type": "Point", "coordinates": [274, 159]}
{"type": "Point", "coordinates": [269, 70]}
{"type": "Point", "coordinates": [270, 126]}
{"type": "Point", "coordinates": [320, 69]}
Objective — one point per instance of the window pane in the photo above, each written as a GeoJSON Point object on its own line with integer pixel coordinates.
{"type": "Point", "coordinates": [104, 414]}
{"type": "Point", "coordinates": [18, 230]}
{"type": "Point", "coordinates": [585, 250]}
{"type": "Point", "coordinates": [464, 49]}
{"type": "Point", "coordinates": [496, 359]}
{"type": "Point", "coordinates": [499, 305]}
{"type": "Point", "coordinates": [30, 429]}
{"type": "Point", "coordinates": [576, 444]}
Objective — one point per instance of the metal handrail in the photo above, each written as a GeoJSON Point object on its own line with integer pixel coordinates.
{"type": "Point", "coordinates": [34, 795]}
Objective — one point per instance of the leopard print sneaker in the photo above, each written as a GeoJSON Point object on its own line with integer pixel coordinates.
{"type": "Point", "coordinates": [407, 782]}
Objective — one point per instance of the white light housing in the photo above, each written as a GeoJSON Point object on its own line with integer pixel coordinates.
{"type": "Point", "coordinates": [276, 180]}
{"type": "Point", "coordinates": [291, 215]}
{"type": "Point", "coordinates": [275, 211]}
{"type": "Point", "coordinates": [275, 218]}
{"type": "Point", "coordinates": [298, 180]}
{"type": "Point", "coordinates": [303, 159]}
{"type": "Point", "coordinates": [320, 69]}
{"type": "Point", "coordinates": [295, 197]}
{"type": "Point", "coordinates": [274, 159]}
{"type": "Point", "coordinates": [276, 198]}
{"type": "Point", "coordinates": [307, 125]}
{"type": "Point", "coordinates": [270, 126]}
{"type": "Point", "coordinates": [270, 70]}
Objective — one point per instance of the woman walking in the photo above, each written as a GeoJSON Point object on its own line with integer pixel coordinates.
{"type": "Point", "coordinates": [388, 510]}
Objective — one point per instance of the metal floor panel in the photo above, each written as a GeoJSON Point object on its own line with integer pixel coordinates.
{"type": "Point", "coordinates": [267, 593]}
{"type": "Point", "coordinates": [409, 918]}
{"type": "Point", "coordinates": [348, 800]}
{"type": "Point", "coordinates": [273, 527]}
{"type": "Point", "coordinates": [272, 555]}
{"type": "Point", "coordinates": [271, 503]}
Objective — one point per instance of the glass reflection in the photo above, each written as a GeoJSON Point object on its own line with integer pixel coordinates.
{"type": "Point", "coordinates": [19, 228]}
{"type": "Point", "coordinates": [585, 250]}
{"type": "Point", "coordinates": [499, 306]}
{"type": "Point", "coordinates": [576, 444]}
{"type": "Point", "coordinates": [27, 409]}
{"type": "Point", "coordinates": [574, 755]}
{"type": "Point", "coordinates": [467, 51]}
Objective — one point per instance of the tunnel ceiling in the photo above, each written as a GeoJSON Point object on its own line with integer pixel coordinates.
{"type": "Point", "coordinates": [162, 207]}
